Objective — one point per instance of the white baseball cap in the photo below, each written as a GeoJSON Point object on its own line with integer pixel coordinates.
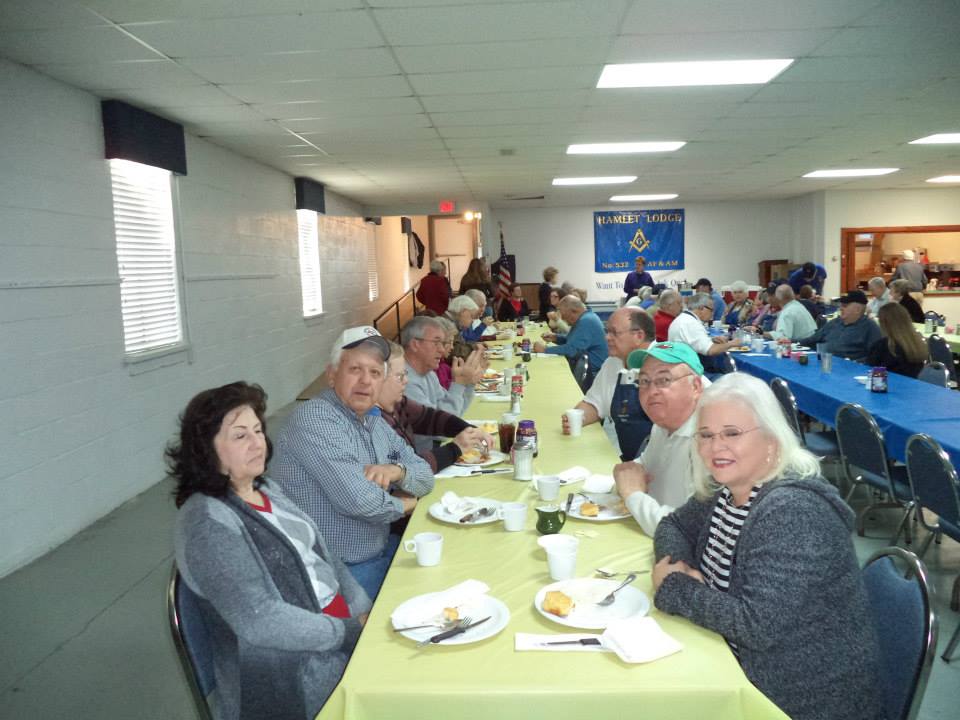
{"type": "Point", "coordinates": [352, 337]}
{"type": "Point", "coordinates": [908, 255]}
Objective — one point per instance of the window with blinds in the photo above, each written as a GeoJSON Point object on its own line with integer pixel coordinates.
{"type": "Point", "coordinates": [309, 263]}
{"type": "Point", "coordinates": [146, 256]}
{"type": "Point", "coordinates": [373, 280]}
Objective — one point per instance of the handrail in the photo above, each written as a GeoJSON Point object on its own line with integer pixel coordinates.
{"type": "Point", "coordinates": [391, 330]}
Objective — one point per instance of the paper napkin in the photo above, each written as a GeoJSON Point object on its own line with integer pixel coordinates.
{"type": "Point", "coordinates": [639, 640]}
{"type": "Point", "coordinates": [462, 596]}
{"type": "Point", "coordinates": [598, 484]}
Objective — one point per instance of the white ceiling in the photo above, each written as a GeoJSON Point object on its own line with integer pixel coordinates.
{"type": "Point", "coordinates": [395, 102]}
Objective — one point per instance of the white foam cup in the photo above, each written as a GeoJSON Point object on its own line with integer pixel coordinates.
{"type": "Point", "coordinates": [514, 516]}
{"type": "Point", "coordinates": [574, 421]}
{"type": "Point", "coordinates": [428, 546]}
{"type": "Point", "coordinates": [549, 487]}
{"type": "Point", "coordinates": [561, 555]}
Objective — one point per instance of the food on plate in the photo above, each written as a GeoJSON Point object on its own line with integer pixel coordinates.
{"type": "Point", "coordinates": [556, 603]}
{"type": "Point", "coordinates": [450, 614]}
{"type": "Point", "coordinates": [589, 509]}
{"type": "Point", "coordinates": [474, 455]}
{"type": "Point", "coordinates": [492, 375]}
{"type": "Point", "coordinates": [489, 427]}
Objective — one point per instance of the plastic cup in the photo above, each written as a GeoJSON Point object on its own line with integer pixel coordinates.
{"type": "Point", "coordinates": [561, 555]}
{"type": "Point", "coordinates": [826, 362]}
{"type": "Point", "coordinates": [508, 353]}
{"type": "Point", "coordinates": [427, 546]}
{"type": "Point", "coordinates": [549, 487]}
{"type": "Point", "coordinates": [574, 421]}
{"type": "Point", "coordinates": [514, 516]}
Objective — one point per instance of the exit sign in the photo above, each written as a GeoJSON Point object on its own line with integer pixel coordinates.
{"type": "Point", "coordinates": [448, 206]}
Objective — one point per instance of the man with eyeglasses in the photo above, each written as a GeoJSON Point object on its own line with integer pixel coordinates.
{"type": "Point", "coordinates": [344, 466]}
{"type": "Point", "coordinates": [689, 327]}
{"type": "Point", "coordinates": [423, 346]}
{"type": "Point", "coordinates": [613, 395]}
{"type": "Point", "coordinates": [586, 337]}
{"type": "Point", "coordinates": [669, 382]}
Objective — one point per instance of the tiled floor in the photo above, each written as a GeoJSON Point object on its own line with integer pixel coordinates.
{"type": "Point", "coordinates": [83, 630]}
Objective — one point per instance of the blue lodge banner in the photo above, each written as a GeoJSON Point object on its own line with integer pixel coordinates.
{"type": "Point", "coordinates": [620, 235]}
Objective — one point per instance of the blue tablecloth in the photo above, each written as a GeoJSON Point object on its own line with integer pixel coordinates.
{"type": "Point", "coordinates": [909, 407]}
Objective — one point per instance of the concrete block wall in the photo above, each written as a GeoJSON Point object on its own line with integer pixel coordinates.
{"type": "Point", "coordinates": [81, 431]}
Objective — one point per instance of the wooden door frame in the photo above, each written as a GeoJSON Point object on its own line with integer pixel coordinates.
{"type": "Point", "coordinates": [848, 269]}
{"type": "Point", "coordinates": [431, 221]}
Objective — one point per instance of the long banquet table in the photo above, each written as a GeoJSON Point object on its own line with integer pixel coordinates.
{"type": "Point", "coordinates": [910, 406]}
{"type": "Point", "coordinates": [388, 678]}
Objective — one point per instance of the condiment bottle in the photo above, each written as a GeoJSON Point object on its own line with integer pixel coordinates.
{"type": "Point", "coordinates": [528, 430]}
{"type": "Point", "coordinates": [878, 379]}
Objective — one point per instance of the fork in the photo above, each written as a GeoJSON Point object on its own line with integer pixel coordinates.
{"type": "Point", "coordinates": [445, 625]}
{"type": "Point", "coordinates": [608, 600]}
{"type": "Point", "coordinates": [461, 624]}
{"type": "Point", "coordinates": [604, 572]}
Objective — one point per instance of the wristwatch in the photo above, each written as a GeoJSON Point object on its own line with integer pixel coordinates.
{"type": "Point", "coordinates": [403, 471]}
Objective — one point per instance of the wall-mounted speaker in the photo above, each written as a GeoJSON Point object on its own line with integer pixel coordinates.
{"type": "Point", "coordinates": [406, 226]}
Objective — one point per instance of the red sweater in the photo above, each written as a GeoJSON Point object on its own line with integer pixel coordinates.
{"type": "Point", "coordinates": [661, 322]}
{"type": "Point", "coordinates": [434, 293]}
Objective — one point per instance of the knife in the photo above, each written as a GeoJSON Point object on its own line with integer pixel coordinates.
{"type": "Point", "coordinates": [456, 631]}
{"type": "Point", "coordinates": [569, 503]}
{"type": "Point", "coordinates": [476, 515]}
{"type": "Point", "coordinates": [581, 641]}
{"type": "Point", "coordinates": [499, 471]}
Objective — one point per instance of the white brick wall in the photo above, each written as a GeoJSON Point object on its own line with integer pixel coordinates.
{"type": "Point", "coordinates": [79, 432]}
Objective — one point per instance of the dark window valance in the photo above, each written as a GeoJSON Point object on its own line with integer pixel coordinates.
{"type": "Point", "coordinates": [310, 195]}
{"type": "Point", "coordinates": [130, 133]}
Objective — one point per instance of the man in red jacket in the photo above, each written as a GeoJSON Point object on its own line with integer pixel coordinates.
{"type": "Point", "coordinates": [434, 289]}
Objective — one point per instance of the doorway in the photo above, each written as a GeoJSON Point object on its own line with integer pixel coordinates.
{"type": "Point", "coordinates": [454, 241]}
{"type": "Point", "coordinates": [874, 251]}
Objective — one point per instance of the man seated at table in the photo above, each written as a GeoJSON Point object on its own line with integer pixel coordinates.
{"type": "Point", "coordinates": [719, 305]}
{"type": "Point", "coordinates": [670, 306]}
{"type": "Point", "coordinates": [688, 327]}
{"type": "Point", "coordinates": [423, 344]}
{"type": "Point", "coordinates": [613, 395]}
{"type": "Point", "coordinates": [482, 327]}
{"type": "Point", "coordinates": [794, 321]}
{"type": "Point", "coordinates": [586, 336]}
{"type": "Point", "coordinates": [345, 467]}
{"type": "Point", "coordinates": [879, 295]}
{"type": "Point", "coordinates": [669, 383]}
{"type": "Point", "coordinates": [852, 334]}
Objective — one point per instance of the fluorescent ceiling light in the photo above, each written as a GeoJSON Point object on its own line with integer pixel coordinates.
{"type": "Point", "coordinates": [624, 148]}
{"type": "Point", "coordinates": [614, 180]}
{"type": "Point", "coordinates": [850, 172]}
{"type": "Point", "coordinates": [642, 198]}
{"type": "Point", "coordinates": [945, 179]}
{"type": "Point", "coordinates": [674, 74]}
{"type": "Point", "coordinates": [938, 139]}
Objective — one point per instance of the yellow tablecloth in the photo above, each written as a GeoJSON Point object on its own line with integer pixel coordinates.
{"type": "Point", "coordinates": [388, 678]}
{"type": "Point", "coordinates": [953, 340]}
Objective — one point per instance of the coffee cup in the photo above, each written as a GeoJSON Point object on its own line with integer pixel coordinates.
{"type": "Point", "coordinates": [561, 555]}
{"type": "Point", "coordinates": [549, 487]}
{"type": "Point", "coordinates": [574, 421]}
{"type": "Point", "coordinates": [428, 547]}
{"type": "Point", "coordinates": [508, 353]}
{"type": "Point", "coordinates": [514, 516]}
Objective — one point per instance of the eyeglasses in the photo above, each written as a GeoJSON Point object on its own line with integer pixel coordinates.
{"type": "Point", "coordinates": [439, 342]}
{"type": "Point", "coordinates": [618, 333]}
{"type": "Point", "coordinates": [728, 435]}
{"type": "Point", "coordinates": [400, 376]}
{"type": "Point", "coordinates": [660, 382]}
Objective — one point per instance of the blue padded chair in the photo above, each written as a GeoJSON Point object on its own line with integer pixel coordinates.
{"type": "Point", "coordinates": [901, 610]}
{"type": "Point", "coordinates": [865, 462]}
{"type": "Point", "coordinates": [822, 444]}
{"type": "Point", "coordinates": [726, 364]}
{"type": "Point", "coordinates": [935, 373]}
{"type": "Point", "coordinates": [582, 372]}
{"type": "Point", "coordinates": [191, 637]}
{"type": "Point", "coordinates": [936, 488]}
{"type": "Point", "coordinates": [941, 352]}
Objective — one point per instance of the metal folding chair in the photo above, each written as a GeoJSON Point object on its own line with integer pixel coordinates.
{"type": "Point", "coordinates": [941, 352]}
{"type": "Point", "coordinates": [581, 372]}
{"type": "Point", "coordinates": [935, 486]}
{"type": "Point", "coordinates": [906, 628]}
{"type": "Point", "coordinates": [822, 444]}
{"type": "Point", "coordinates": [726, 364]}
{"type": "Point", "coordinates": [935, 373]}
{"type": "Point", "coordinates": [865, 462]}
{"type": "Point", "coordinates": [191, 637]}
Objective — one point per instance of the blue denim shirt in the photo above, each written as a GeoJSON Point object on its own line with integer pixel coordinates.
{"type": "Point", "coordinates": [586, 336]}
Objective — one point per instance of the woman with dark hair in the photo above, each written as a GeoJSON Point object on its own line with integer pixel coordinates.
{"type": "Point", "coordinates": [900, 293]}
{"type": "Point", "coordinates": [284, 614]}
{"type": "Point", "coordinates": [901, 349]}
{"type": "Point", "coordinates": [514, 307]}
{"type": "Point", "coordinates": [477, 277]}
{"type": "Point", "coordinates": [550, 274]}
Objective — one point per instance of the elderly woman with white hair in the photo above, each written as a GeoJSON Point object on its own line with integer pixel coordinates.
{"type": "Point", "coordinates": [763, 555]}
{"type": "Point", "coordinates": [739, 309]}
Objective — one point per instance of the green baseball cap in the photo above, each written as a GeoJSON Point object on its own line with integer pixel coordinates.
{"type": "Point", "coordinates": [668, 352]}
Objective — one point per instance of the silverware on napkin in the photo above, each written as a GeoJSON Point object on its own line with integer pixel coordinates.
{"type": "Point", "coordinates": [476, 515]}
{"type": "Point", "coordinates": [451, 633]}
{"type": "Point", "coordinates": [497, 471]}
{"type": "Point", "coordinates": [580, 641]}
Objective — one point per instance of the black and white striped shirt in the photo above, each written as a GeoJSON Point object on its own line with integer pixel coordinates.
{"type": "Point", "coordinates": [725, 525]}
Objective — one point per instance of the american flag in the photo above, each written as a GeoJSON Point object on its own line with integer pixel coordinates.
{"type": "Point", "coordinates": [504, 278]}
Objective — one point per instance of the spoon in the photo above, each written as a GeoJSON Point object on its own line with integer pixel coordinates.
{"type": "Point", "coordinates": [608, 600]}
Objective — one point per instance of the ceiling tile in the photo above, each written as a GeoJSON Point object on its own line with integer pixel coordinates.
{"type": "Point", "coordinates": [499, 55]}
{"type": "Point", "coordinates": [313, 90]}
{"type": "Point", "coordinates": [72, 45]}
{"type": "Point", "coordinates": [122, 11]}
{"type": "Point", "coordinates": [44, 15]}
{"type": "Point", "coordinates": [729, 45]}
{"type": "Point", "coordinates": [491, 81]}
{"type": "Point", "coordinates": [506, 100]}
{"type": "Point", "coordinates": [359, 107]}
{"type": "Point", "coordinates": [100, 77]}
{"type": "Point", "coordinates": [285, 67]}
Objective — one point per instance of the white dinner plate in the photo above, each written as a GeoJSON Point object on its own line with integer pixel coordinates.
{"type": "Point", "coordinates": [488, 426]}
{"type": "Point", "coordinates": [438, 511]}
{"type": "Point", "coordinates": [484, 606]}
{"type": "Point", "coordinates": [606, 501]}
{"type": "Point", "coordinates": [495, 456]}
{"type": "Point", "coordinates": [585, 592]}
{"type": "Point", "coordinates": [490, 376]}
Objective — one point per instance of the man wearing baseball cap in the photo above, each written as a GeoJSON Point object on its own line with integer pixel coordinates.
{"type": "Point", "coordinates": [670, 380]}
{"type": "Point", "coordinates": [340, 461]}
{"type": "Point", "coordinates": [852, 334]}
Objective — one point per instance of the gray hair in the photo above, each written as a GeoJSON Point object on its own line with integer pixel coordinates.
{"type": "Point", "coordinates": [668, 297]}
{"type": "Point", "coordinates": [754, 394]}
{"type": "Point", "coordinates": [641, 321]}
{"type": "Point", "coordinates": [572, 302]}
{"type": "Point", "coordinates": [396, 350]}
{"type": "Point", "coordinates": [461, 303]}
{"type": "Point", "coordinates": [877, 282]}
{"type": "Point", "coordinates": [901, 287]}
{"type": "Point", "coordinates": [436, 266]}
{"type": "Point", "coordinates": [417, 326]}
{"type": "Point", "coordinates": [698, 300]}
{"type": "Point", "coordinates": [449, 326]}
{"type": "Point", "coordinates": [644, 292]}
{"type": "Point", "coordinates": [477, 296]}
{"type": "Point", "coordinates": [784, 293]}
{"type": "Point", "coordinates": [738, 286]}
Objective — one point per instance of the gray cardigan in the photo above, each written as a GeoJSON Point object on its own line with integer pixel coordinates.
{"type": "Point", "coordinates": [275, 654]}
{"type": "Point", "coordinates": [796, 606]}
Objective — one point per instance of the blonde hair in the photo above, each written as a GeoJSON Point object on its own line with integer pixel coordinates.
{"type": "Point", "coordinates": [755, 395]}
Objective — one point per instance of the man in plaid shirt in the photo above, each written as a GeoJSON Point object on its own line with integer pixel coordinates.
{"type": "Point", "coordinates": [345, 466]}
